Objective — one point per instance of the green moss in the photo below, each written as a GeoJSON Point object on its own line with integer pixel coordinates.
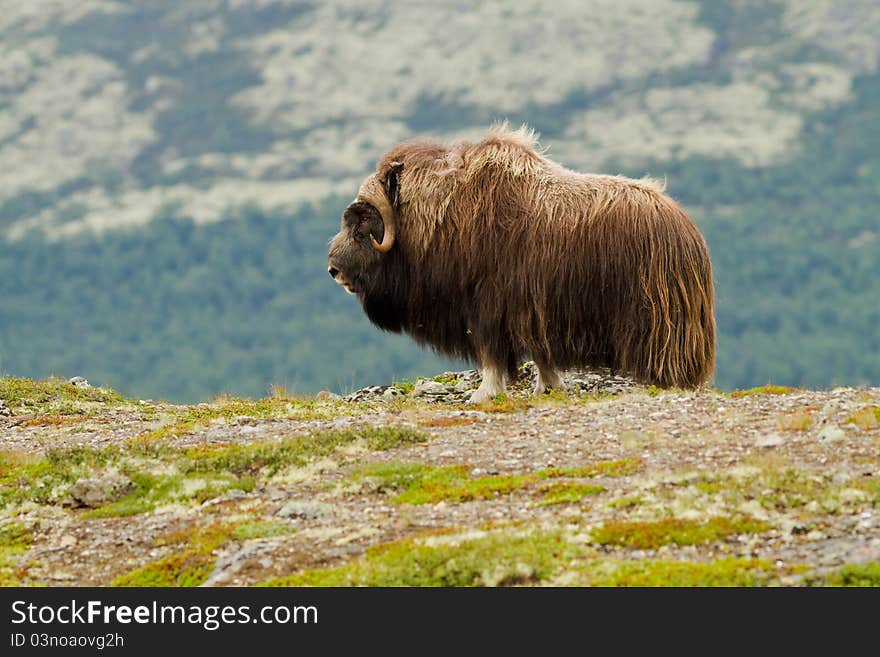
{"type": "Point", "coordinates": [618, 468]}
{"type": "Point", "coordinates": [452, 484]}
{"type": "Point", "coordinates": [626, 503]}
{"type": "Point", "coordinates": [53, 395]}
{"type": "Point", "coordinates": [15, 537]}
{"type": "Point", "coordinates": [721, 572]}
{"type": "Point", "coordinates": [448, 378]}
{"type": "Point", "coordinates": [495, 559]}
{"type": "Point", "coordinates": [416, 483]}
{"type": "Point", "coordinates": [567, 492]}
{"type": "Point", "coordinates": [232, 408]}
{"type": "Point", "coordinates": [503, 403]}
{"type": "Point", "coordinates": [269, 457]}
{"type": "Point", "coordinates": [653, 534]}
{"type": "Point", "coordinates": [43, 479]}
{"type": "Point", "coordinates": [257, 529]}
{"type": "Point", "coordinates": [152, 491]}
{"type": "Point", "coordinates": [421, 484]}
{"type": "Point", "coordinates": [393, 476]}
{"type": "Point", "coordinates": [189, 567]}
{"type": "Point", "coordinates": [188, 474]}
{"type": "Point", "coordinates": [785, 489]}
{"type": "Point", "coordinates": [764, 390]}
{"type": "Point", "coordinates": [406, 387]}
{"type": "Point", "coordinates": [867, 574]}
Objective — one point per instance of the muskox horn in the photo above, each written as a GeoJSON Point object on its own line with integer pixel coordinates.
{"type": "Point", "coordinates": [373, 193]}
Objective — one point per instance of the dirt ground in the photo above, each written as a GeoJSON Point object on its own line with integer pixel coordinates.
{"type": "Point", "coordinates": [621, 485]}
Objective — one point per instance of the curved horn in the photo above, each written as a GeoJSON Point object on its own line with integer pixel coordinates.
{"type": "Point", "coordinates": [373, 193]}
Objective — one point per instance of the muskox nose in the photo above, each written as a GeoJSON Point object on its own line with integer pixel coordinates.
{"type": "Point", "coordinates": [333, 271]}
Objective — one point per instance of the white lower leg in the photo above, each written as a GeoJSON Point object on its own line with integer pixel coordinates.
{"type": "Point", "coordinates": [547, 378]}
{"type": "Point", "coordinates": [493, 383]}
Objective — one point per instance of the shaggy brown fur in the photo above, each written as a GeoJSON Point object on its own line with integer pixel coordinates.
{"type": "Point", "coordinates": [499, 253]}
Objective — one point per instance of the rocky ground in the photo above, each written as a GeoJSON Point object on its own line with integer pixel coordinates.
{"type": "Point", "coordinates": [606, 483]}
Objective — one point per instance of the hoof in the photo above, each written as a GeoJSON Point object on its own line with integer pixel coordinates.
{"type": "Point", "coordinates": [480, 397]}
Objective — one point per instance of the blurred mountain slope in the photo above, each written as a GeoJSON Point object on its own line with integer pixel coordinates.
{"type": "Point", "coordinates": [121, 122]}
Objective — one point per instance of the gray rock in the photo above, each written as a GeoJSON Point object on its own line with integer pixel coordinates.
{"type": "Point", "coordinates": [465, 385]}
{"type": "Point", "coordinates": [79, 382]}
{"type": "Point", "coordinates": [427, 387]}
{"type": "Point", "coordinates": [306, 509]}
{"type": "Point", "coordinates": [366, 394]}
{"type": "Point", "coordinates": [231, 561]}
{"type": "Point", "coordinates": [770, 440]}
{"type": "Point", "coordinates": [93, 492]}
{"type": "Point", "coordinates": [831, 433]}
{"type": "Point", "coordinates": [392, 392]}
{"type": "Point", "coordinates": [5, 411]}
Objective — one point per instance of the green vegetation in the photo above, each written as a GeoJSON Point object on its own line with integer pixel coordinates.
{"type": "Point", "coordinates": [785, 489]}
{"type": "Point", "coordinates": [721, 572]}
{"type": "Point", "coordinates": [271, 457]}
{"type": "Point", "coordinates": [650, 535]}
{"type": "Point", "coordinates": [764, 390]}
{"type": "Point", "coordinates": [618, 468]}
{"type": "Point", "coordinates": [15, 539]}
{"type": "Point", "coordinates": [415, 483]}
{"type": "Point", "coordinates": [867, 574]}
{"type": "Point", "coordinates": [231, 408]}
{"type": "Point", "coordinates": [494, 559]}
{"type": "Point", "coordinates": [865, 418]}
{"type": "Point", "coordinates": [796, 421]}
{"type": "Point", "coordinates": [258, 529]}
{"type": "Point", "coordinates": [567, 492]}
{"type": "Point", "coordinates": [53, 396]}
{"type": "Point", "coordinates": [190, 566]}
{"type": "Point", "coordinates": [161, 474]}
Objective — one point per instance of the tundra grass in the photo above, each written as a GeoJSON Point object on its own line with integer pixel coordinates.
{"type": "Point", "coordinates": [490, 559]}
{"type": "Point", "coordinates": [261, 529]}
{"type": "Point", "coordinates": [795, 421]}
{"type": "Point", "coordinates": [187, 474]}
{"type": "Point", "coordinates": [768, 389]}
{"type": "Point", "coordinates": [191, 566]}
{"type": "Point", "coordinates": [786, 489]}
{"type": "Point", "coordinates": [865, 418]}
{"type": "Point", "coordinates": [867, 574]}
{"type": "Point", "coordinates": [655, 573]}
{"type": "Point", "coordinates": [15, 539]}
{"type": "Point", "coordinates": [230, 409]}
{"type": "Point", "coordinates": [53, 396]}
{"type": "Point", "coordinates": [416, 483]}
{"type": "Point", "coordinates": [567, 492]}
{"type": "Point", "coordinates": [650, 535]}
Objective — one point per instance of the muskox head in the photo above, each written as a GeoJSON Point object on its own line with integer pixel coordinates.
{"type": "Point", "coordinates": [368, 231]}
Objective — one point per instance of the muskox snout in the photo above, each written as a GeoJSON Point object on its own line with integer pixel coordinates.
{"type": "Point", "coordinates": [340, 278]}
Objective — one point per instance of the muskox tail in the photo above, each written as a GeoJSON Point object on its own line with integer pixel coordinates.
{"type": "Point", "coordinates": [667, 335]}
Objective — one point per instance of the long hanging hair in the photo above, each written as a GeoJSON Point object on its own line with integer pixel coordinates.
{"type": "Point", "coordinates": [500, 253]}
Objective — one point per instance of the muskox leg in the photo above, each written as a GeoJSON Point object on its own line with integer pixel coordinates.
{"type": "Point", "coordinates": [493, 383]}
{"type": "Point", "coordinates": [548, 378]}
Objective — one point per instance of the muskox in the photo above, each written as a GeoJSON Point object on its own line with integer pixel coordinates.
{"type": "Point", "coordinates": [490, 252]}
